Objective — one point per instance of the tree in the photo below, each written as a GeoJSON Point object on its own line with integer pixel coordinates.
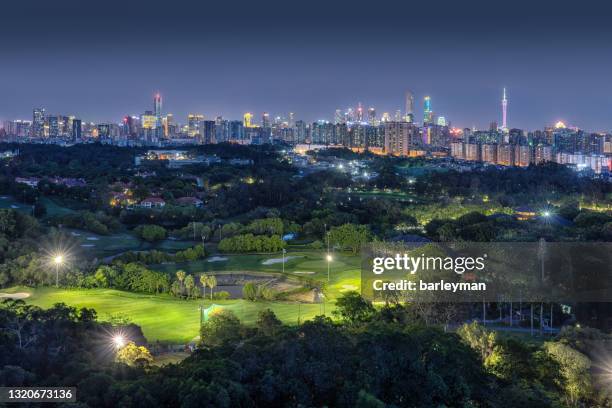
{"type": "Point", "coordinates": [180, 275]}
{"type": "Point", "coordinates": [353, 309]}
{"type": "Point", "coordinates": [221, 328]}
{"type": "Point", "coordinates": [249, 291]}
{"type": "Point", "coordinates": [189, 285]}
{"type": "Point", "coordinates": [574, 368]}
{"type": "Point", "coordinates": [151, 233]}
{"type": "Point", "coordinates": [176, 289]}
{"type": "Point", "coordinates": [349, 236]}
{"type": "Point", "coordinates": [212, 282]}
{"type": "Point", "coordinates": [268, 324]}
{"type": "Point", "coordinates": [478, 338]}
{"type": "Point", "coordinates": [133, 355]}
{"type": "Point", "coordinates": [204, 283]}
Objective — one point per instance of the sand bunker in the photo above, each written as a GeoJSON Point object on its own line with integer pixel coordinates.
{"type": "Point", "coordinates": [305, 272]}
{"type": "Point", "coordinates": [273, 261]}
{"type": "Point", "coordinates": [93, 238]}
{"type": "Point", "coordinates": [348, 287]}
{"type": "Point", "coordinates": [216, 259]}
{"type": "Point", "coordinates": [18, 295]}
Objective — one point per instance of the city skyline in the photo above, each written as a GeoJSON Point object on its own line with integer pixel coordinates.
{"type": "Point", "coordinates": [427, 113]}
{"type": "Point", "coordinates": [102, 61]}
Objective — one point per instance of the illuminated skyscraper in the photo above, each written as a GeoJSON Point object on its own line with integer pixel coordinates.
{"type": "Point", "coordinates": [291, 120]}
{"type": "Point", "coordinates": [76, 129]}
{"type": "Point", "coordinates": [193, 124]}
{"type": "Point", "coordinates": [427, 112]}
{"type": "Point", "coordinates": [504, 112]}
{"type": "Point", "coordinates": [338, 117]}
{"type": "Point", "coordinates": [247, 120]}
{"type": "Point", "coordinates": [38, 122]}
{"type": "Point", "coordinates": [359, 112]}
{"type": "Point", "coordinates": [372, 116]}
{"type": "Point", "coordinates": [409, 106]}
{"type": "Point", "coordinates": [157, 105]}
{"type": "Point", "coordinates": [265, 120]}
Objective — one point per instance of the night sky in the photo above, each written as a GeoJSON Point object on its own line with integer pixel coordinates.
{"type": "Point", "coordinates": [100, 60]}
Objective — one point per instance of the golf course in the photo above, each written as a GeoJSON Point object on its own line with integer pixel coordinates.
{"type": "Point", "coordinates": [173, 320]}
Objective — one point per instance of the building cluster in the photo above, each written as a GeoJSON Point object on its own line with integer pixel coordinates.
{"type": "Point", "coordinates": [514, 147]}
{"type": "Point", "coordinates": [356, 128]}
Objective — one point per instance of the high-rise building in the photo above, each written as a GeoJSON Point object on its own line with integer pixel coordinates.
{"type": "Point", "coordinates": [54, 126]}
{"type": "Point", "coordinates": [38, 122]}
{"type": "Point", "coordinates": [193, 124]}
{"type": "Point", "coordinates": [505, 154]}
{"type": "Point", "coordinates": [504, 112]}
{"type": "Point", "coordinates": [300, 131]}
{"type": "Point", "coordinates": [488, 153]}
{"type": "Point", "coordinates": [398, 116]}
{"type": "Point", "coordinates": [398, 137]}
{"type": "Point", "coordinates": [157, 105]}
{"type": "Point", "coordinates": [409, 107]}
{"type": "Point", "coordinates": [76, 129]}
{"type": "Point", "coordinates": [339, 117]}
{"type": "Point", "coordinates": [291, 120]}
{"type": "Point", "coordinates": [427, 112]}
{"type": "Point", "coordinates": [359, 112]}
{"type": "Point", "coordinates": [372, 116]}
{"type": "Point", "coordinates": [208, 131]}
{"type": "Point", "coordinates": [247, 120]}
{"type": "Point", "coordinates": [236, 130]}
{"type": "Point", "coordinates": [265, 120]}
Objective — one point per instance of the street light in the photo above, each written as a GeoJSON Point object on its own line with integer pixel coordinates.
{"type": "Point", "coordinates": [58, 261]}
{"type": "Point", "coordinates": [329, 259]}
{"type": "Point", "coordinates": [546, 214]}
{"type": "Point", "coordinates": [119, 341]}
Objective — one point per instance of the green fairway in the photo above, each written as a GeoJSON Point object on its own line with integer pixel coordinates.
{"type": "Point", "coordinates": [307, 264]}
{"type": "Point", "coordinates": [92, 244]}
{"type": "Point", "coordinates": [163, 317]}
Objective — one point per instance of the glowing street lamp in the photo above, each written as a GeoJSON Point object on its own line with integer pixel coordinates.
{"type": "Point", "coordinates": [119, 341]}
{"type": "Point", "coordinates": [546, 214]}
{"type": "Point", "coordinates": [58, 261]}
{"type": "Point", "coordinates": [329, 259]}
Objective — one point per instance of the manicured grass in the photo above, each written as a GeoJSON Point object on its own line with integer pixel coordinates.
{"type": "Point", "coordinates": [163, 317]}
{"type": "Point", "coordinates": [113, 244]}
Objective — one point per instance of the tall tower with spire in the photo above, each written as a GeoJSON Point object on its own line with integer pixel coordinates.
{"type": "Point", "coordinates": [504, 111]}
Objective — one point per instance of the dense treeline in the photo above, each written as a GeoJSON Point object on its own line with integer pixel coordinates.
{"type": "Point", "coordinates": [157, 257]}
{"type": "Point", "coordinates": [252, 243]}
{"type": "Point", "coordinates": [514, 186]}
{"type": "Point", "coordinates": [370, 358]}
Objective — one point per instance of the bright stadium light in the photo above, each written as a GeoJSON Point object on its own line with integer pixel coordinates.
{"type": "Point", "coordinates": [546, 214]}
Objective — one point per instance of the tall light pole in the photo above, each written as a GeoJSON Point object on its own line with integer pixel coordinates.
{"type": "Point", "coordinates": [58, 260]}
{"type": "Point", "coordinates": [329, 259]}
{"type": "Point", "coordinates": [284, 252]}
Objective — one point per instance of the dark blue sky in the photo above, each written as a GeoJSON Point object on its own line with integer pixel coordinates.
{"type": "Point", "coordinates": [100, 60]}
